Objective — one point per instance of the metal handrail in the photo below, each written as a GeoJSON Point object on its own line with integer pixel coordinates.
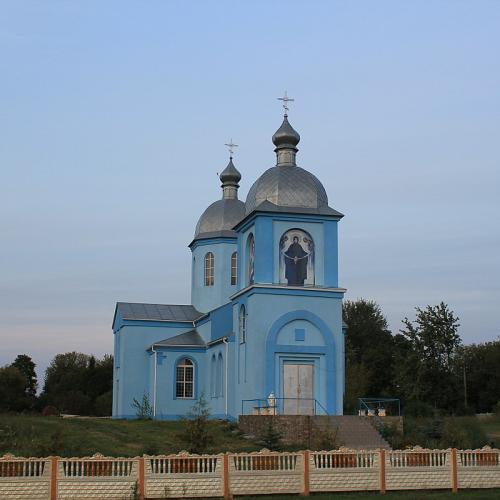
{"type": "Point", "coordinates": [277, 407]}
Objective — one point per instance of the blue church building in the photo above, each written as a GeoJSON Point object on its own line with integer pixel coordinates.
{"type": "Point", "coordinates": [263, 333]}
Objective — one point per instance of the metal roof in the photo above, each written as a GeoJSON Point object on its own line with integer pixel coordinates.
{"type": "Point", "coordinates": [158, 312]}
{"type": "Point", "coordinates": [287, 187]}
{"type": "Point", "coordinates": [191, 338]}
{"type": "Point", "coordinates": [221, 215]}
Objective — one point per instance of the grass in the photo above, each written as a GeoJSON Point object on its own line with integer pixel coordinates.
{"type": "Point", "coordinates": [37, 436]}
{"type": "Point", "coordinates": [395, 495]}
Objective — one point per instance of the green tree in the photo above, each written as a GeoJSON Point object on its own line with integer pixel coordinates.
{"type": "Point", "coordinates": [196, 434]}
{"type": "Point", "coordinates": [368, 352]}
{"type": "Point", "coordinates": [27, 367]}
{"type": "Point", "coordinates": [12, 389]}
{"type": "Point", "coordinates": [427, 349]}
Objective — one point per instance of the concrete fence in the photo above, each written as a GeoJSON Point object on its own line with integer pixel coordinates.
{"type": "Point", "coordinates": [184, 475]}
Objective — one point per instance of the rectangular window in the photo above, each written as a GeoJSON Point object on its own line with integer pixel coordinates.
{"type": "Point", "coordinates": [234, 268]}
{"type": "Point", "coordinates": [184, 380]}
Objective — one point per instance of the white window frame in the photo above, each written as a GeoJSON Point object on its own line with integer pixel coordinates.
{"type": "Point", "coordinates": [209, 275]}
{"type": "Point", "coordinates": [185, 364]}
{"type": "Point", "coordinates": [234, 268]}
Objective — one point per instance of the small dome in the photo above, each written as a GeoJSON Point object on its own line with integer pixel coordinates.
{"type": "Point", "coordinates": [287, 187]}
{"type": "Point", "coordinates": [220, 218]}
{"type": "Point", "coordinates": [286, 135]}
{"type": "Point", "coordinates": [230, 175]}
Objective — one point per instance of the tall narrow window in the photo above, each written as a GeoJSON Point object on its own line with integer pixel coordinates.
{"type": "Point", "coordinates": [220, 376]}
{"type": "Point", "coordinates": [243, 325]}
{"type": "Point", "coordinates": [234, 268]}
{"type": "Point", "coordinates": [250, 258]}
{"type": "Point", "coordinates": [209, 269]}
{"type": "Point", "coordinates": [184, 379]}
{"type": "Point", "coordinates": [212, 377]}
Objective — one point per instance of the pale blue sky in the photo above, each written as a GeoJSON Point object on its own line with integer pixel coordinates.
{"type": "Point", "coordinates": [113, 119]}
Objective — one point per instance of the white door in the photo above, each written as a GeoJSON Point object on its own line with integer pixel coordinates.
{"type": "Point", "coordinates": [298, 389]}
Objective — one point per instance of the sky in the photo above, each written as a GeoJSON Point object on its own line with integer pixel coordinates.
{"type": "Point", "coordinates": [113, 120]}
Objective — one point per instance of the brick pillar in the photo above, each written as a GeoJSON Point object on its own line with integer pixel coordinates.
{"type": "Point", "coordinates": [225, 477]}
{"type": "Point", "coordinates": [381, 459]}
{"type": "Point", "coordinates": [141, 480]}
{"type": "Point", "coordinates": [305, 459]}
{"type": "Point", "coordinates": [454, 475]}
{"type": "Point", "coordinates": [54, 464]}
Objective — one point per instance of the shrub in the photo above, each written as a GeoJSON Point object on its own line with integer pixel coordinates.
{"type": "Point", "coordinates": [196, 434]}
{"type": "Point", "coordinates": [143, 408]}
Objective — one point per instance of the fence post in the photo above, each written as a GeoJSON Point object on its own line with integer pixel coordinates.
{"type": "Point", "coordinates": [141, 479]}
{"type": "Point", "coordinates": [54, 464]}
{"type": "Point", "coordinates": [225, 477]}
{"type": "Point", "coordinates": [381, 458]}
{"type": "Point", "coordinates": [305, 459]}
{"type": "Point", "coordinates": [454, 474]}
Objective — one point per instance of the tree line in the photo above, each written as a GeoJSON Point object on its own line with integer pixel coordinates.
{"type": "Point", "coordinates": [74, 383]}
{"type": "Point", "coordinates": [425, 364]}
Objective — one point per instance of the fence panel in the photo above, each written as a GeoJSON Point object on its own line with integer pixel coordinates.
{"type": "Point", "coordinates": [344, 470]}
{"type": "Point", "coordinates": [479, 468]}
{"type": "Point", "coordinates": [266, 472]}
{"type": "Point", "coordinates": [417, 469]}
{"type": "Point", "coordinates": [97, 477]}
{"type": "Point", "coordinates": [184, 475]}
{"type": "Point", "coordinates": [24, 478]}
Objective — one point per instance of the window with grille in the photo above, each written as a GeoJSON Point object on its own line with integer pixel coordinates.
{"type": "Point", "coordinates": [243, 325]}
{"type": "Point", "coordinates": [184, 379]}
{"type": "Point", "coordinates": [234, 268]}
{"type": "Point", "coordinates": [209, 269]}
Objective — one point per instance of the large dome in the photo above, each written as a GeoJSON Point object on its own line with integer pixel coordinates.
{"type": "Point", "coordinates": [287, 187]}
{"type": "Point", "coordinates": [220, 218]}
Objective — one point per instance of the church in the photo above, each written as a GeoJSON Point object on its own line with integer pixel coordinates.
{"type": "Point", "coordinates": [263, 333]}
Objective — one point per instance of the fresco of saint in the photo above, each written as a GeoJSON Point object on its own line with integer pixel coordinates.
{"type": "Point", "coordinates": [296, 258]}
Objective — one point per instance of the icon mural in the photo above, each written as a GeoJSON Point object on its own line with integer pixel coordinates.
{"type": "Point", "coordinates": [297, 258]}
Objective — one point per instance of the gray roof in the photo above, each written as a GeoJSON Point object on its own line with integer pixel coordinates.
{"type": "Point", "coordinates": [220, 216]}
{"type": "Point", "coordinates": [158, 312]}
{"type": "Point", "coordinates": [191, 338]}
{"type": "Point", "coordinates": [289, 186]}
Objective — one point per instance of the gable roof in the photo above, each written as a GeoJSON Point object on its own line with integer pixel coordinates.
{"type": "Point", "coordinates": [158, 312]}
{"type": "Point", "coordinates": [186, 339]}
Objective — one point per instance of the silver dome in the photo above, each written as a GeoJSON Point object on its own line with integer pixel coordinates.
{"type": "Point", "coordinates": [287, 187]}
{"type": "Point", "coordinates": [220, 218]}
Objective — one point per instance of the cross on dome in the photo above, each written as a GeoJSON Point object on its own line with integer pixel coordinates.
{"type": "Point", "coordinates": [285, 100]}
{"type": "Point", "coordinates": [230, 146]}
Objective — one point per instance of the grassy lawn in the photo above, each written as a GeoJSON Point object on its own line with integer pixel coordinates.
{"type": "Point", "coordinates": [25, 435]}
{"type": "Point", "coordinates": [396, 495]}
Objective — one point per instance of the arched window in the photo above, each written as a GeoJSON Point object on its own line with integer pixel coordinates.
{"type": "Point", "coordinates": [243, 325]}
{"type": "Point", "coordinates": [212, 377]}
{"type": "Point", "coordinates": [220, 375]}
{"type": "Point", "coordinates": [209, 269]}
{"type": "Point", "coordinates": [250, 258]}
{"type": "Point", "coordinates": [234, 268]}
{"type": "Point", "coordinates": [296, 258]}
{"type": "Point", "coordinates": [184, 379]}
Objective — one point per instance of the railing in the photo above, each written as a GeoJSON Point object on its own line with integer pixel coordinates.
{"type": "Point", "coordinates": [424, 458]}
{"type": "Point", "coordinates": [343, 460]}
{"type": "Point", "coordinates": [205, 464]}
{"type": "Point", "coordinates": [267, 461]}
{"type": "Point", "coordinates": [20, 467]}
{"type": "Point", "coordinates": [187, 476]}
{"type": "Point", "coordinates": [90, 467]}
{"type": "Point", "coordinates": [282, 406]}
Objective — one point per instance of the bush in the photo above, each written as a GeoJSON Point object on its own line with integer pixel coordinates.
{"type": "Point", "coordinates": [103, 404]}
{"type": "Point", "coordinates": [143, 408]}
{"type": "Point", "coordinates": [196, 435]}
{"type": "Point", "coordinates": [465, 433]}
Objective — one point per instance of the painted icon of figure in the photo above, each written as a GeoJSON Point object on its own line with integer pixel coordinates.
{"type": "Point", "coordinates": [296, 263]}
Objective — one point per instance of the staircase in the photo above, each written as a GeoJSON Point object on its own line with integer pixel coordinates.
{"type": "Point", "coordinates": [353, 432]}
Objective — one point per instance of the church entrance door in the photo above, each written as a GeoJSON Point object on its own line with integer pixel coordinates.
{"type": "Point", "coordinates": [298, 390]}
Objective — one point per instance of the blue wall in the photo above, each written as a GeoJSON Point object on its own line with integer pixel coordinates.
{"type": "Point", "coordinates": [206, 298]}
